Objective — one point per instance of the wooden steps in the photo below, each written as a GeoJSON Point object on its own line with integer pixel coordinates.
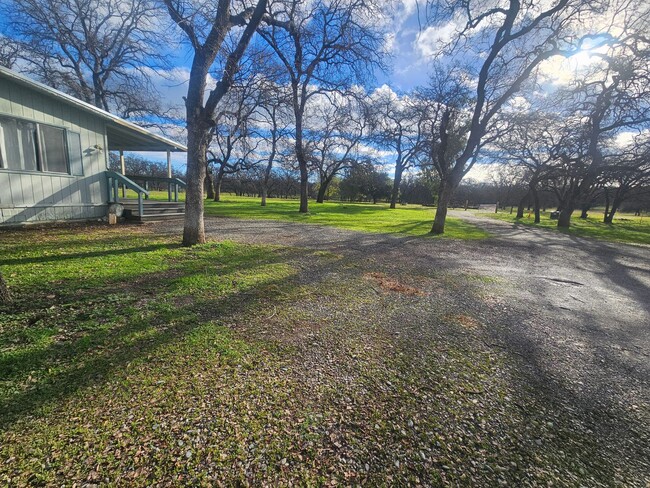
{"type": "Point", "coordinates": [153, 210]}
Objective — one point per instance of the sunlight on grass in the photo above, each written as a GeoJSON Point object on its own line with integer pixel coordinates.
{"type": "Point", "coordinates": [82, 300]}
{"type": "Point", "coordinates": [626, 227]}
{"type": "Point", "coordinates": [413, 220]}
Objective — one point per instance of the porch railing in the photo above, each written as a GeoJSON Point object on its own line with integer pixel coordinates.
{"type": "Point", "coordinates": [115, 180]}
{"type": "Point", "coordinates": [173, 184]}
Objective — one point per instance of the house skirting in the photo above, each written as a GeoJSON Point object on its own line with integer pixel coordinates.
{"type": "Point", "coordinates": [52, 212]}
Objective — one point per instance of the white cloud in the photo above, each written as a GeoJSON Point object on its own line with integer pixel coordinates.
{"type": "Point", "coordinates": [628, 138]}
{"type": "Point", "coordinates": [480, 173]}
{"type": "Point", "coordinates": [172, 83]}
{"type": "Point", "coordinates": [431, 39]}
{"type": "Point", "coordinates": [562, 71]}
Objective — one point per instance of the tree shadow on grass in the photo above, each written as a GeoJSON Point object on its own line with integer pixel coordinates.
{"type": "Point", "coordinates": [85, 255]}
{"type": "Point", "coordinates": [142, 323]}
{"type": "Point", "coordinates": [170, 315]}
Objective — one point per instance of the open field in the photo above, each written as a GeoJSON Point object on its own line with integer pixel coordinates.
{"type": "Point", "coordinates": [406, 219]}
{"type": "Point", "coordinates": [415, 219]}
{"type": "Point", "coordinates": [336, 358]}
{"type": "Point", "coordinates": [626, 227]}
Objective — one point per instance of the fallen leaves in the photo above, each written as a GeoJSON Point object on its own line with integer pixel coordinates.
{"type": "Point", "coordinates": [391, 284]}
{"type": "Point", "coordinates": [464, 321]}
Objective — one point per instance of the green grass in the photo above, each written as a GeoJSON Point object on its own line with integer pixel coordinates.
{"type": "Point", "coordinates": [414, 220]}
{"type": "Point", "coordinates": [85, 300]}
{"type": "Point", "coordinates": [104, 339]}
{"type": "Point", "coordinates": [126, 360]}
{"type": "Point", "coordinates": [626, 228]}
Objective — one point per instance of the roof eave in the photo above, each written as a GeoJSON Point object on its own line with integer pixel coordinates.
{"type": "Point", "coordinates": [169, 144]}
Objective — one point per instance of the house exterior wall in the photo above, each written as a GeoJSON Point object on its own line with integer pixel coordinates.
{"type": "Point", "coordinates": [28, 196]}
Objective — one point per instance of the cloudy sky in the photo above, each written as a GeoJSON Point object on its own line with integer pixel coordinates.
{"type": "Point", "coordinates": [410, 43]}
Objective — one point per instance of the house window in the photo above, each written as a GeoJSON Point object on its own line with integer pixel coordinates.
{"type": "Point", "coordinates": [74, 152]}
{"type": "Point", "coordinates": [17, 145]}
{"type": "Point", "coordinates": [29, 146]}
{"type": "Point", "coordinates": [53, 152]}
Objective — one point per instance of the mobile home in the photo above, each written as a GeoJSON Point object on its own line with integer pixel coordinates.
{"type": "Point", "coordinates": [54, 154]}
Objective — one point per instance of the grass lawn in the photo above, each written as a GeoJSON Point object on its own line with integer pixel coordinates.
{"type": "Point", "coordinates": [626, 227]}
{"type": "Point", "coordinates": [127, 360]}
{"type": "Point", "coordinates": [406, 219]}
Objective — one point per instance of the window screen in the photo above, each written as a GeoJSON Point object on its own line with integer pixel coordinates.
{"type": "Point", "coordinates": [54, 155]}
{"type": "Point", "coordinates": [29, 146]}
{"type": "Point", "coordinates": [75, 154]}
{"type": "Point", "coordinates": [3, 148]}
{"type": "Point", "coordinates": [27, 140]}
{"type": "Point", "coordinates": [17, 146]}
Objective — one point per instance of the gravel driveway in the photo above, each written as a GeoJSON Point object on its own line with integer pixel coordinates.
{"type": "Point", "coordinates": [573, 314]}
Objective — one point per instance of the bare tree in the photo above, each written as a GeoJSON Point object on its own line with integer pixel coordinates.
{"type": "Point", "coordinates": [508, 43]}
{"type": "Point", "coordinates": [333, 143]}
{"type": "Point", "coordinates": [629, 174]}
{"type": "Point", "coordinates": [444, 102]}
{"type": "Point", "coordinates": [232, 145]}
{"type": "Point", "coordinates": [613, 97]}
{"type": "Point", "coordinates": [325, 46]}
{"type": "Point", "coordinates": [9, 52]}
{"type": "Point", "coordinates": [528, 144]}
{"type": "Point", "coordinates": [399, 124]}
{"type": "Point", "coordinates": [205, 28]}
{"type": "Point", "coordinates": [100, 51]}
{"type": "Point", "coordinates": [272, 120]}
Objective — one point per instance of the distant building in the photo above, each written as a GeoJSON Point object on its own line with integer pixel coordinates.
{"type": "Point", "coordinates": [54, 153]}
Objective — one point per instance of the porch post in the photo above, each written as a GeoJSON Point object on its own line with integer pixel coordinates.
{"type": "Point", "coordinates": [123, 166]}
{"type": "Point", "coordinates": [169, 175]}
{"type": "Point", "coordinates": [116, 190]}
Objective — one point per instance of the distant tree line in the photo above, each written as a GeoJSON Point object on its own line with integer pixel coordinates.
{"type": "Point", "coordinates": [139, 166]}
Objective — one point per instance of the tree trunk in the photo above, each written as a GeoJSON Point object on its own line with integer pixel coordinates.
{"type": "Point", "coordinates": [299, 111]}
{"type": "Point", "coordinates": [606, 216]}
{"type": "Point", "coordinates": [520, 207]}
{"type": "Point", "coordinates": [217, 185]}
{"type": "Point", "coordinates": [444, 198]}
{"type": "Point", "coordinates": [533, 190]}
{"type": "Point", "coordinates": [612, 212]}
{"type": "Point", "coordinates": [209, 185]}
{"type": "Point", "coordinates": [564, 220]}
{"type": "Point", "coordinates": [267, 176]}
{"type": "Point", "coordinates": [197, 146]}
{"type": "Point", "coordinates": [5, 296]}
{"type": "Point", "coordinates": [320, 198]}
{"type": "Point", "coordinates": [396, 183]}
{"type": "Point", "coordinates": [304, 187]}
{"type": "Point", "coordinates": [616, 203]}
{"type": "Point", "coordinates": [322, 191]}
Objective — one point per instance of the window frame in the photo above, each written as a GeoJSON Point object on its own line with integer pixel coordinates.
{"type": "Point", "coordinates": [38, 148]}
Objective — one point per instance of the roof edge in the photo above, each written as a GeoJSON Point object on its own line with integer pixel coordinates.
{"type": "Point", "coordinates": [48, 90]}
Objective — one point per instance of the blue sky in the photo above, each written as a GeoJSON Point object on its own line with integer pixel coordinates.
{"type": "Point", "coordinates": [409, 43]}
